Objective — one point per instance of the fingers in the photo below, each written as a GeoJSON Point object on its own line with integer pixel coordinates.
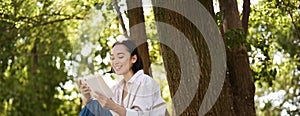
{"type": "Point", "coordinates": [104, 101]}
{"type": "Point", "coordinates": [82, 85]}
{"type": "Point", "coordinates": [79, 82]}
{"type": "Point", "coordinates": [84, 89]}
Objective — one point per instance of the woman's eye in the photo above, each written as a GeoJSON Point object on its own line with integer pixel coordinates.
{"type": "Point", "coordinates": [121, 57]}
{"type": "Point", "coordinates": [111, 58]}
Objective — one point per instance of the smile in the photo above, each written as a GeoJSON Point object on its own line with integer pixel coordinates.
{"type": "Point", "coordinates": [118, 67]}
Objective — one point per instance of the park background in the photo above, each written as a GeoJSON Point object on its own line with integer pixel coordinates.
{"type": "Point", "coordinates": [47, 44]}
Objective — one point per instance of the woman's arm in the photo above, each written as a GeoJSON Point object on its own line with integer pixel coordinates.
{"type": "Point", "coordinates": [119, 109]}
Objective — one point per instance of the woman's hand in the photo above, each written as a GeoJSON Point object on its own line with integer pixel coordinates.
{"type": "Point", "coordinates": [110, 104]}
{"type": "Point", "coordinates": [84, 90]}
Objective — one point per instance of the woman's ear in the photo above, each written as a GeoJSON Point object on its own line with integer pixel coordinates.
{"type": "Point", "coordinates": [133, 59]}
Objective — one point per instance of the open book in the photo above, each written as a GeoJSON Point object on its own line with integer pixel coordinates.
{"type": "Point", "coordinates": [96, 83]}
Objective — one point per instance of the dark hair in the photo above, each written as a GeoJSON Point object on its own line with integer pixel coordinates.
{"type": "Point", "coordinates": [132, 49]}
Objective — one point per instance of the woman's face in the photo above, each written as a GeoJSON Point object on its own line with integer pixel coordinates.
{"type": "Point", "coordinates": [121, 60]}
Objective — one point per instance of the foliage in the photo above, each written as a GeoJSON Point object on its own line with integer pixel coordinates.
{"type": "Point", "coordinates": [35, 44]}
{"type": "Point", "coordinates": [235, 37]}
{"type": "Point", "coordinates": [274, 55]}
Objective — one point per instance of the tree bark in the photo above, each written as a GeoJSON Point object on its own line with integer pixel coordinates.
{"type": "Point", "coordinates": [242, 83]}
{"type": "Point", "coordinates": [138, 34]}
{"type": "Point", "coordinates": [230, 17]}
{"type": "Point", "coordinates": [224, 104]}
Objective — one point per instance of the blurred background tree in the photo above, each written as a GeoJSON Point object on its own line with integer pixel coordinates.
{"type": "Point", "coordinates": [35, 47]}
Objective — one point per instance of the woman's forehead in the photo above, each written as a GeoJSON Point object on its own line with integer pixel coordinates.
{"type": "Point", "coordinates": [118, 49]}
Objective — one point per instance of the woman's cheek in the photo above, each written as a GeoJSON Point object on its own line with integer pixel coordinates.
{"type": "Point", "coordinates": [112, 64]}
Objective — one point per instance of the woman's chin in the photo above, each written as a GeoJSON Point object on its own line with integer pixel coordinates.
{"type": "Point", "coordinates": [118, 72]}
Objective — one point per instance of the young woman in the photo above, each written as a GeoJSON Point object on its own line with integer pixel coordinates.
{"type": "Point", "coordinates": [136, 94]}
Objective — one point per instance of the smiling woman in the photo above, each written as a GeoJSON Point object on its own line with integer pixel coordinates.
{"type": "Point", "coordinates": [136, 94]}
{"type": "Point", "coordinates": [122, 52]}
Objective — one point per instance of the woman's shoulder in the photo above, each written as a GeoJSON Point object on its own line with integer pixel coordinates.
{"type": "Point", "coordinates": [147, 83]}
{"type": "Point", "coordinates": [146, 79]}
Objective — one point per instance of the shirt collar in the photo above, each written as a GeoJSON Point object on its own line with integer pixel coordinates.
{"type": "Point", "coordinates": [137, 74]}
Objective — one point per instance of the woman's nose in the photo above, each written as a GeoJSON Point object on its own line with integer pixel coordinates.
{"type": "Point", "coordinates": [115, 61]}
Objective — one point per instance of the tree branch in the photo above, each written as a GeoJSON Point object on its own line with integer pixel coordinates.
{"type": "Point", "coordinates": [36, 22]}
{"type": "Point", "coordinates": [58, 20]}
{"type": "Point", "coordinates": [246, 14]}
{"type": "Point", "coordinates": [115, 3]}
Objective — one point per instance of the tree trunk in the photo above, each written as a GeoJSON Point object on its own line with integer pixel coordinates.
{"type": "Point", "coordinates": [232, 100]}
{"type": "Point", "coordinates": [138, 33]}
{"type": "Point", "coordinates": [35, 58]}
{"type": "Point", "coordinates": [237, 60]}
{"type": "Point", "coordinates": [224, 104]}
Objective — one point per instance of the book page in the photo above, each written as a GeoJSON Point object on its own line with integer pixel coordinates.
{"type": "Point", "coordinates": [96, 83]}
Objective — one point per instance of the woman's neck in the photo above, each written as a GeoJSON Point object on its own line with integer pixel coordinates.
{"type": "Point", "coordinates": [128, 75]}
